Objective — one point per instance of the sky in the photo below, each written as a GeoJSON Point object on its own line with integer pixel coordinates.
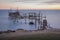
{"type": "Point", "coordinates": [30, 4]}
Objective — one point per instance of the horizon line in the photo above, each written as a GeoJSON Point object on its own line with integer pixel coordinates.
{"type": "Point", "coordinates": [28, 9]}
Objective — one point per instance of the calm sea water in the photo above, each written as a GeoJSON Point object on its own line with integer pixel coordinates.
{"type": "Point", "coordinates": [53, 18]}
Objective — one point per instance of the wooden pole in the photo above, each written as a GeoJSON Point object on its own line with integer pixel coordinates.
{"type": "Point", "coordinates": [25, 18]}
{"type": "Point", "coordinates": [35, 19]}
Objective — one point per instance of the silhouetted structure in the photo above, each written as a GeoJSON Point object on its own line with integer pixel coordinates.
{"type": "Point", "coordinates": [34, 18]}
{"type": "Point", "coordinates": [15, 16]}
{"type": "Point", "coordinates": [44, 23]}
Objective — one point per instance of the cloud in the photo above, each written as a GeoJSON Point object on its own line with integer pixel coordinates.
{"type": "Point", "coordinates": [37, 2]}
{"type": "Point", "coordinates": [53, 2]}
{"type": "Point", "coordinates": [30, 3]}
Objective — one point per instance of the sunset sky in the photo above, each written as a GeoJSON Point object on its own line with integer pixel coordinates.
{"type": "Point", "coordinates": [30, 4]}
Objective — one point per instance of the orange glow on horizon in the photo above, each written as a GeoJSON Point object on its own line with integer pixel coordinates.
{"type": "Point", "coordinates": [44, 7]}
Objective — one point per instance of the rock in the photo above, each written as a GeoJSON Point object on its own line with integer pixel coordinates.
{"type": "Point", "coordinates": [1, 32]}
{"type": "Point", "coordinates": [31, 23]}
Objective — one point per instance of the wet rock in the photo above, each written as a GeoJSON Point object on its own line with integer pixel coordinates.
{"type": "Point", "coordinates": [1, 32]}
{"type": "Point", "coordinates": [9, 31]}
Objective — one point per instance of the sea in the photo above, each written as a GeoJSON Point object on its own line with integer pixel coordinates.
{"type": "Point", "coordinates": [52, 16]}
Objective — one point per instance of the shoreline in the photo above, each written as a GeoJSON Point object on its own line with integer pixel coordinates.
{"type": "Point", "coordinates": [25, 33]}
